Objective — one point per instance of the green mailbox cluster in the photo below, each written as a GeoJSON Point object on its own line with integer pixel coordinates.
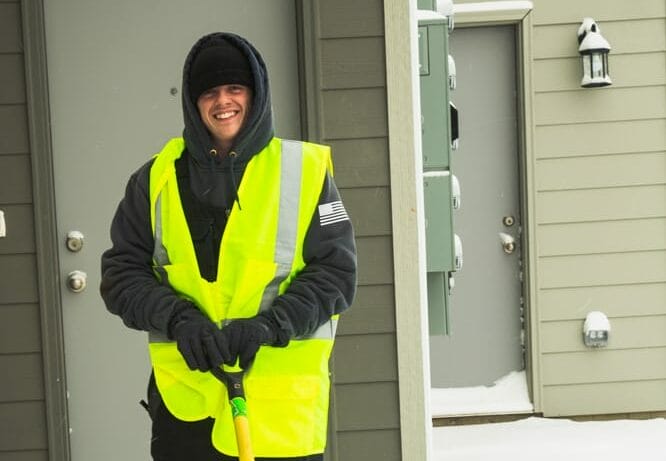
{"type": "Point", "coordinates": [441, 191]}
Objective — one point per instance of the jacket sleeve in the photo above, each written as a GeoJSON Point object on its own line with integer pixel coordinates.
{"type": "Point", "coordinates": [327, 283]}
{"type": "Point", "coordinates": [129, 286]}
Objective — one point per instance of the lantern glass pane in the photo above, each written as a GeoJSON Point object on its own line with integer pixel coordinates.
{"type": "Point", "coordinates": [606, 70]}
{"type": "Point", "coordinates": [586, 65]}
{"type": "Point", "coordinates": [597, 66]}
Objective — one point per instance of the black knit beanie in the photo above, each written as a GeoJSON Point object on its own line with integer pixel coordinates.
{"type": "Point", "coordinates": [220, 63]}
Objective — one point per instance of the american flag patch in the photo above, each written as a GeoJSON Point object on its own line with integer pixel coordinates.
{"type": "Point", "coordinates": [330, 213]}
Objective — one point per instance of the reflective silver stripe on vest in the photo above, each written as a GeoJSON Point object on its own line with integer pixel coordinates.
{"type": "Point", "coordinates": [161, 258]}
{"type": "Point", "coordinates": [291, 167]}
{"type": "Point", "coordinates": [326, 331]}
{"type": "Point", "coordinates": [160, 255]}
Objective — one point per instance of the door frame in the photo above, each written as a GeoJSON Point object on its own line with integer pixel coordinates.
{"type": "Point", "coordinates": [518, 15]}
{"type": "Point", "coordinates": [46, 241]}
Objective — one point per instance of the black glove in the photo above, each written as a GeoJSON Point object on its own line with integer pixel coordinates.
{"type": "Point", "coordinates": [200, 341]}
{"type": "Point", "coordinates": [245, 336]}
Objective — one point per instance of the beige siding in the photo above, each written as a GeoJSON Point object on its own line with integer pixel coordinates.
{"type": "Point", "coordinates": [571, 11]}
{"type": "Point", "coordinates": [22, 416]}
{"type": "Point", "coordinates": [603, 269]}
{"type": "Point", "coordinates": [634, 169]}
{"type": "Point", "coordinates": [600, 195]}
{"type": "Point", "coordinates": [612, 104]}
{"type": "Point", "coordinates": [350, 93]}
{"type": "Point", "coordinates": [549, 73]}
{"type": "Point", "coordinates": [601, 398]}
{"type": "Point", "coordinates": [599, 204]}
{"type": "Point", "coordinates": [602, 237]}
{"type": "Point", "coordinates": [606, 366]}
{"type": "Point", "coordinates": [573, 303]}
{"type": "Point", "coordinates": [564, 335]}
{"type": "Point", "coordinates": [614, 137]}
{"type": "Point", "coordinates": [631, 36]}
{"type": "Point", "coordinates": [631, 202]}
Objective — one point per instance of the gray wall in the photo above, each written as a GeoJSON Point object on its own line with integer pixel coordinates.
{"type": "Point", "coordinates": [22, 412]}
{"type": "Point", "coordinates": [350, 94]}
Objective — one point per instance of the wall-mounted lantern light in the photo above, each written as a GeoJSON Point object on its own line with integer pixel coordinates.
{"type": "Point", "coordinates": [593, 49]}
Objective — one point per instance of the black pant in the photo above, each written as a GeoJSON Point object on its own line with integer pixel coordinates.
{"type": "Point", "coordinates": [176, 440]}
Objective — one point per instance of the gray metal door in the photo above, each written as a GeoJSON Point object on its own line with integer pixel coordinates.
{"type": "Point", "coordinates": [114, 82]}
{"type": "Point", "coordinates": [485, 339]}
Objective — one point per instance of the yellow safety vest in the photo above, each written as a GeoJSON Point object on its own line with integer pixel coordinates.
{"type": "Point", "coordinates": [286, 388]}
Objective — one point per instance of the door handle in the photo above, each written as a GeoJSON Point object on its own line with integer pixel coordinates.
{"type": "Point", "coordinates": [508, 242]}
{"type": "Point", "coordinates": [77, 281]}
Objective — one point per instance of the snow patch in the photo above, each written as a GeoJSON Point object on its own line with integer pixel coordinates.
{"type": "Point", "coordinates": [552, 440]}
{"type": "Point", "coordinates": [428, 15]}
{"type": "Point", "coordinates": [490, 6]}
{"type": "Point", "coordinates": [507, 395]}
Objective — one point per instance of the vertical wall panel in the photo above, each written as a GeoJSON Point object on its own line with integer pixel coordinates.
{"type": "Point", "coordinates": [23, 435]}
{"type": "Point", "coordinates": [350, 92]}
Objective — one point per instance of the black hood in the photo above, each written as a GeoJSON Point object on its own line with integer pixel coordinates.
{"type": "Point", "coordinates": [207, 171]}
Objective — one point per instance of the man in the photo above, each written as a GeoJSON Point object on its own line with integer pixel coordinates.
{"type": "Point", "coordinates": [231, 246]}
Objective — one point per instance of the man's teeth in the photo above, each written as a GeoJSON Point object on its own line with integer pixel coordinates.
{"type": "Point", "coordinates": [224, 115]}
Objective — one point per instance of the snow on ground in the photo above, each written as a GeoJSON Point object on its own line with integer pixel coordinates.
{"type": "Point", "coordinates": [535, 439]}
{"type": "Point", "coordinates": [541, 439]}
{"type": "Point", "coordinates": [507, 395]}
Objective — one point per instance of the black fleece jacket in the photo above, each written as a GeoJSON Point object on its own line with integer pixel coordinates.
{"type": "Point", "coordinates": [207, 185]}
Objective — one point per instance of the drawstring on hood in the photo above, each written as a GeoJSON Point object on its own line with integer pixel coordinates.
{"type": "Point", "coordinates": [208, 168]}
{"type": "Point", "coordinates": [234, 184]}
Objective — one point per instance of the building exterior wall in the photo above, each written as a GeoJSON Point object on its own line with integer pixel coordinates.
{"type": "Point", "coordinates": [600, 204]}
{"type": "Point", "coordinates": [22, 401]}
{"type": "Point", "coordinates": [349, 90]}
{"type": "Point", "coordinates": [601, 201]}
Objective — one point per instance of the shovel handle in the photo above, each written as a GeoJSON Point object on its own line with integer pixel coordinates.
{"type": "Point", "coordinates": [234, 382]}
{"type": "Point", "coordinates": [242, 428]}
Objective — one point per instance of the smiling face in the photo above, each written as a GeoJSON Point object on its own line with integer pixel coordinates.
{"type": "Point", "coordinates": [223, 110]}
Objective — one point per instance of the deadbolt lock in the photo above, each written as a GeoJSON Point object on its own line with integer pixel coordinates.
{"type": "Point", "coordinates": [508, 221]}
{"type": "Point", "coordinates": [77, 281]}
{"type": "Point", "coordinates": [74, 241]}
